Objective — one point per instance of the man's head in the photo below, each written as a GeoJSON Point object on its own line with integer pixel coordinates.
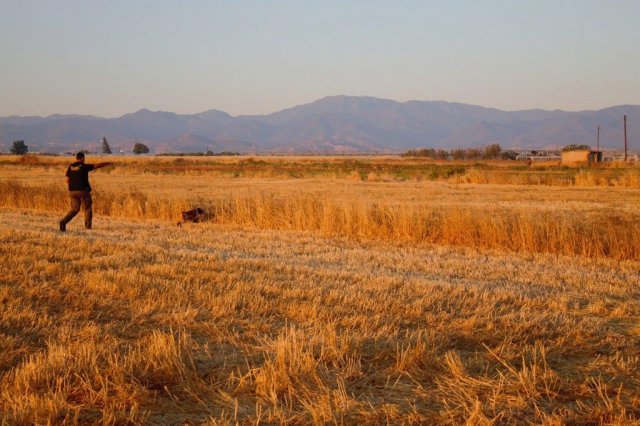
{"type": "Point", "coordinates": [80, 157]}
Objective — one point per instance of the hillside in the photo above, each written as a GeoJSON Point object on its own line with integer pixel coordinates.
{"type": "Point", "coordinates": [336, 124]}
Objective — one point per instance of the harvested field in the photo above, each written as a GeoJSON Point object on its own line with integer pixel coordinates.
{"type": "Point", "coordinates": [258, 317]}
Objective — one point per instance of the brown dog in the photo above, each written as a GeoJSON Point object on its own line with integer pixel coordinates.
{"type": "Point", "coordinates": [195, 216]}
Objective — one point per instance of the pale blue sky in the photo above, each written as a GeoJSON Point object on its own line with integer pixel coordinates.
{"type": "Point", "coordinates": [250, 57]}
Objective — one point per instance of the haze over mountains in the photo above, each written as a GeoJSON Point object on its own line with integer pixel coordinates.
{"type": "Point", "coordinates": [336, 124]}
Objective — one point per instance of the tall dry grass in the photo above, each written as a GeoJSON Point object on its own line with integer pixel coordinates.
{"type": "Point", "coordinates": [623, 177]}
{"type": "Point", "coordinates": [518, 229]}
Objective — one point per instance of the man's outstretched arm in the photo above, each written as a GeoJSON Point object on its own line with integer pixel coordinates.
{"type": "Point", "coordinates": [101, 165]}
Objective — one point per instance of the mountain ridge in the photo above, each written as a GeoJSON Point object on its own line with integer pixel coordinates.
{"type": "Point", "coordinates": [333, 124]}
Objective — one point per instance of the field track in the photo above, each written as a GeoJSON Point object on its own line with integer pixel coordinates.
{"type": "Point", "coordinates": [145, 322]}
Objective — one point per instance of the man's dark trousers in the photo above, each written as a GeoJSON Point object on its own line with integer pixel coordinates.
{"type": "Point", "coordinates": [80, 198]}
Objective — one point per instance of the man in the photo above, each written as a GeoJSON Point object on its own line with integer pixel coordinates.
{"type": "Point", "coordinates": [80, 190]}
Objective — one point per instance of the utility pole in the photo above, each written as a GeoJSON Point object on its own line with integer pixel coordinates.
{"type": "Point", "coordinates": [598, 153]}
{"type": "Point", "coordinates": [625, 138]}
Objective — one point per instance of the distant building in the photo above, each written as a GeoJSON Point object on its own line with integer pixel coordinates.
{"type": "Point", "coordinates": [618, 156]}
{"type": "Point", "coordinates": [542, 155]}
{"type": "Point", "coordinates": [576, 158]}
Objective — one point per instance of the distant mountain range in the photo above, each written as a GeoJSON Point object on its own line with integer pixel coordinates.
{"type": "Point", "coordinates": [335, 124]}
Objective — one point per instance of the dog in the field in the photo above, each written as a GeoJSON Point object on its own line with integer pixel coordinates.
{"type": "Point", "coordinates": [195, 216]}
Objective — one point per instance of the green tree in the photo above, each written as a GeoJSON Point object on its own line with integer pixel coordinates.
{"type": "Point", "coordinates": [140, 148]}
{"type": "Point", "coordinates": [19, 148]}
{"type": "Point", "coordinates": [106, 149]}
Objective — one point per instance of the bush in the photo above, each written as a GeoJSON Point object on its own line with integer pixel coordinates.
{"type": "Point", "coordinates": [574, 147]}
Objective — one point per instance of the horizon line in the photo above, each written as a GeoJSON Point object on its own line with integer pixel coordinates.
{"type": "Point", "coordinates": [144, 109]}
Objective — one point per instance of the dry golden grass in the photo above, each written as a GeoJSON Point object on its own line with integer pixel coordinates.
{"type": "Point", "coordinates": [318, 300]}
{"type": "Point", "coordinates": [137, 322]}
{"type": "Point", "coordinates": [522, 219]}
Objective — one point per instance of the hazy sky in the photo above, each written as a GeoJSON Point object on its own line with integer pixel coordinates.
{"type": "Point", "coordinates": [246, 57]}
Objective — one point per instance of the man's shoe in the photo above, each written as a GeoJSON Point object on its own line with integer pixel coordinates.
{"type": "Point", "coordinates": [63, 226]}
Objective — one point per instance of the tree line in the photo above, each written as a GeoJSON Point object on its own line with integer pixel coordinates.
{"type": "Point", "coordinates": [490, 152]}
{"type": "Point", "coordinates": [20, 148]}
